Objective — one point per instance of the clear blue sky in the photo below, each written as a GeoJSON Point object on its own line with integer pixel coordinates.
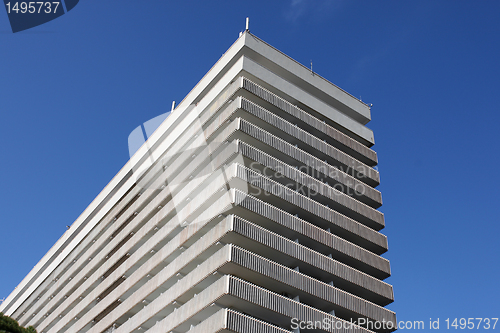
{"type": "Point", "coordinates": [73, 89]}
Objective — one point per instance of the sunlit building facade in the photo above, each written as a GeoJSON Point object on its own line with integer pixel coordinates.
{"type": "Point", "coordinates": [251, 208]}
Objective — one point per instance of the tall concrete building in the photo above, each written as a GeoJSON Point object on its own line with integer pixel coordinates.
{"type": "Point", "coordinates": [251, 208]}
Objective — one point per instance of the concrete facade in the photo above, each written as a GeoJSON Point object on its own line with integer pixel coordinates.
{"type": "Point", "coordinates": [251, 207]}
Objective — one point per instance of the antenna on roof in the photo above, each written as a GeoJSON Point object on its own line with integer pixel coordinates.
{"type": "Point", "coordinates": [173, 106]}
{"type": "Point", "coordinates": [247, 25]}
{"type": "Point", "coordinates": [312, 67]}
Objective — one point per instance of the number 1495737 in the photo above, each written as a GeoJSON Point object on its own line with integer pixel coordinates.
{"type": "Point", "coordinates": [34, 7]}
